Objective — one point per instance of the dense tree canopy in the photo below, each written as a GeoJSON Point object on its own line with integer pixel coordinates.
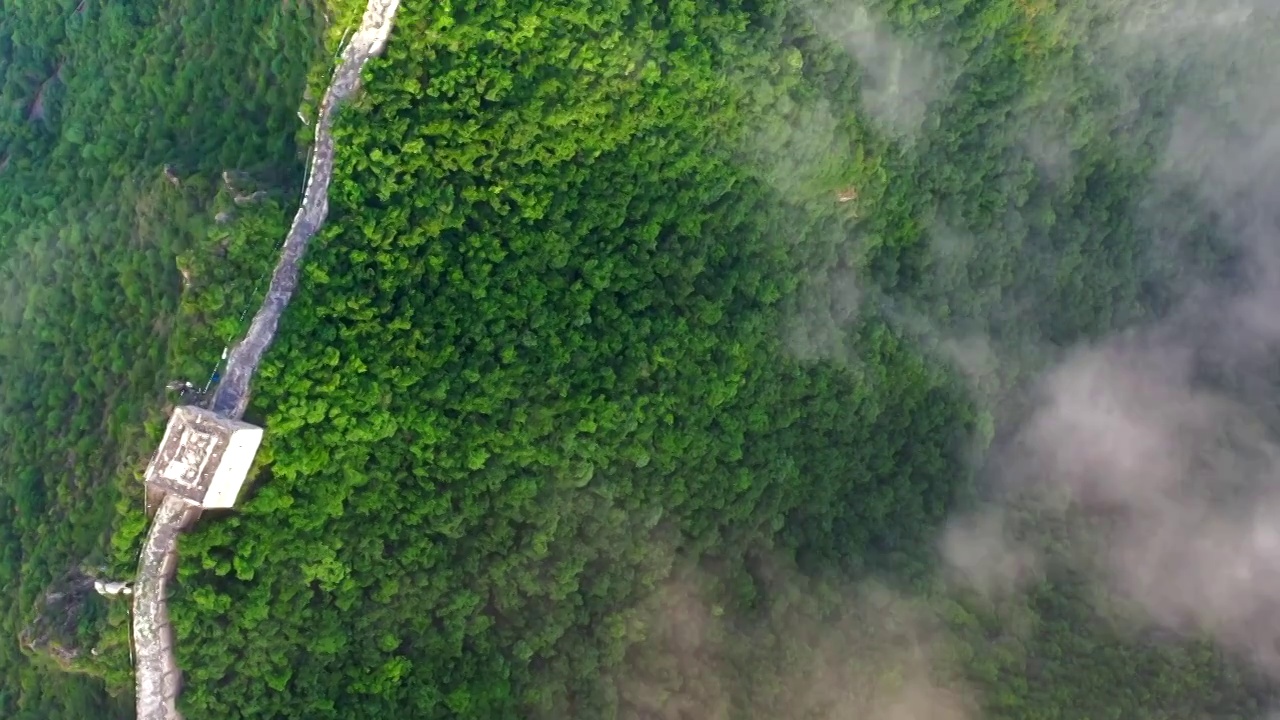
{"type": "Point", "coordinates": [624, 330]}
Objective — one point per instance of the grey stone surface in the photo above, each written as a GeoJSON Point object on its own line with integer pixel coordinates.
{"type": "Point", "coordinates": [158, 678]}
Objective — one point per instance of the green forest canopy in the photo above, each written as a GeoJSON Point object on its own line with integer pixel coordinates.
{"type": "Point", "coordinates": [623, 315]}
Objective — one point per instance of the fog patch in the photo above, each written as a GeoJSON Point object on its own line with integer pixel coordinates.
{"type": "Point", "coordinates": [825, 310]}
{"type": "Point", "coordinates": [1178, 482]}
{"type": "Point", "coordinates": [801, 151]}
{"type": "Point", "coordinates": [1169, 23]}
{"type": "Point", "coordinates": [1161, 442]}
{"type": "Point", "coordinates": [981, 552]}
{"type": "Point", "coordinates": [899, 76]}
{"type": "Point", "coordinates": [1156, 449]}
{"type": "Point", "coordinates": [809, 650]}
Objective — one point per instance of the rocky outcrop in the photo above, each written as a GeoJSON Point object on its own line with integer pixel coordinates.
{"type": "Point", "coordinates": [56, 617]}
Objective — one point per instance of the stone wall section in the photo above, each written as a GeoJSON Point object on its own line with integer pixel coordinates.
{"type": "Point", "coordinates": [158, 677]}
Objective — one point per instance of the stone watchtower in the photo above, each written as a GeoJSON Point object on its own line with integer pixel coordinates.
{"type": "Point", "coordinates": [203, 458]}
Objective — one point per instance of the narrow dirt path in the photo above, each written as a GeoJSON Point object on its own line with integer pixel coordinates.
{"type": "Point", "coordinates": [158, 677]}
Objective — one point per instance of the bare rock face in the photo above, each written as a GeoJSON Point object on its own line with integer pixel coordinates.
{"type": "Point", "coordinates": [56, 616]}
{"type": "Point", "coordinates": [112, 588]}
{"type": "Point", "coordinates": [251, 198]}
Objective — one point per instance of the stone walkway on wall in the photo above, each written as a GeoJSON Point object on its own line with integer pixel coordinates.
{"type": "Point", "coordinates": [159, 680]}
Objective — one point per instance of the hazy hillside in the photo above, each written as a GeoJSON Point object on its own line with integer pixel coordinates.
{"type": "Point", "coordinates": [98, 100]}
{"type": "Point", "coordinates": [889, 359]}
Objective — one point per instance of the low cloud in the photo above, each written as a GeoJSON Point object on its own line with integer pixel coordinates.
{"type": "Point", "coordinates": [808, 651]}
{"type": "Point", "coordinates": [1154, 451]}
{"type": "Point", "coordinates": [825, 313]}
{"type": "Point", "coordinates": [900, 76]}
{"type": "Point", "coordinates": [981, 552]}
{"type": "Point", "coordinates": [1158, 447]}
{"type": "Point", "coordinates": [1161, 442]}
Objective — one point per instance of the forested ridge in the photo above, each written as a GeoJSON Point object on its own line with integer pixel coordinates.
{"type": "Point", "coordinates": [615, 385]}
{"type": "Point", "coordinates": [107, 195]}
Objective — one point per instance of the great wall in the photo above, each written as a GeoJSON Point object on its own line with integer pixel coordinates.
{"type": "Point", "coordinates": [216, 433]}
